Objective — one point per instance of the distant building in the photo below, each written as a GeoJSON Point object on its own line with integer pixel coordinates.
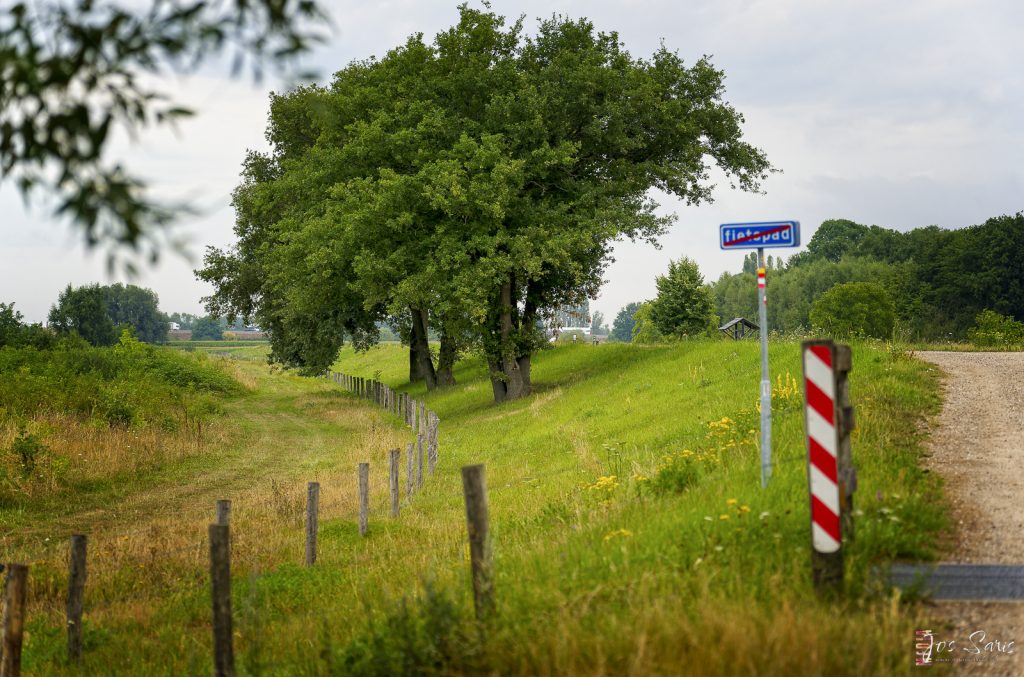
{"type": "Point", "coordinates": [174, 326]}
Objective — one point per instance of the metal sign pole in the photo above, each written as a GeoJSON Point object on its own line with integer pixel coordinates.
{"type": "Point", "coordinates": [766, 382]}
{"type": "Point", "coordinates": [761, 235]}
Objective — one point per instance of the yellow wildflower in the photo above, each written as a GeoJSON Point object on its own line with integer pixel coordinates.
{"type": "Point", "coordinates": [624, 533]}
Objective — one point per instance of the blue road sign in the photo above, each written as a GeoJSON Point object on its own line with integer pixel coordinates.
{"type": "Point", "coordinates": [762, 234]}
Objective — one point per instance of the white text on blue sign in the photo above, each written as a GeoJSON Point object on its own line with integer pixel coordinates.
{"type": "Point", "coordinates": [761, 234]}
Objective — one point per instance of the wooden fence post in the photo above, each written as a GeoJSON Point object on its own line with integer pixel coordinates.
{"type": "Point", "coordinates": [409, 484]}
{"type": "Point", "coordinates": [845, 425]}
{"type": "Point", "coordinates": [474, 489]}
{"type": "Point", "coordinates": [312, 520]}
{"type": "Point", "coordinates": [419, 460]}
{"type": "Point", "coordinates": [395, 456]}
{"type": "Point", "coordinates": [76, 595]}
{"type": "Point", "coordinates": [224, 512]}
{"type": "Point", "coordinates": [14, 620]}
{"type": "Point", "coordinates": [364, 498]}
{"type": "Point", "coordinates": [220, 593]}
{"type": "Point", "coordinates": [432, 423]}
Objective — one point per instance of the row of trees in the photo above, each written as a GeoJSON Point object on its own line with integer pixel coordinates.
{"type": "Point", "coordinates": [100, 313]}
{"type": "Point", "coordinates": [472, 185]}
{"type": "Point", "coordinates": [855, 280]}
{"type": "Point", "coordinates": [936, 281]}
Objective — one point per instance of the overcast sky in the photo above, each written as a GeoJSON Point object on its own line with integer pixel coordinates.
{"type": "Point", "coordinates": [901, 114]}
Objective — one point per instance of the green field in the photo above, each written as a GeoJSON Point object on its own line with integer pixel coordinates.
{"type": "Point", "coordinates": [630, 532]}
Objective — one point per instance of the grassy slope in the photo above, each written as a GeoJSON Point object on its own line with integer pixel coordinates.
{"type": "Point", "coordinates": [592, 576]}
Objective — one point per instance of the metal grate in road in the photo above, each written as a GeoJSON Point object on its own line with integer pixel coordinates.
{"type": "Point", "coordinates": [980, 582]}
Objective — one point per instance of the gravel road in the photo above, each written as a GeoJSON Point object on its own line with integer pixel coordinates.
{"type": "Point", "coordinates": [978, 447]}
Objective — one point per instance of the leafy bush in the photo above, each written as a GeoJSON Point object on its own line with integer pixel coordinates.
{"type": "Point", "coordinates": [428, 637]}
{"type": "Point", "coordinates": [27, 465]}
{"type": "Point", "coordinates": [131, 384]}
{"type": "Point", "coordinates": [27, 449]}
{"type": "Point", "coordinates": [855, 309]}
{"type": "Point", "coordinates": [994, 330]}
{"type": "Point", "coordinates": [644, 328]}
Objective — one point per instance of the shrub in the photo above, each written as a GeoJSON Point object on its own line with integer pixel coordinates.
{"type": "Point", "coordinates": [27, 450]}
{"type": "Point", "coordinates": [131, 384]}
{"type": "Point", "coordinates": [995, 330]}
{"type": "Point", "coordinates": [431, 636]}
{"type": "Point", "coordinates": [644, 328]}
{"type": "Point", "coordinates": [855, 309]}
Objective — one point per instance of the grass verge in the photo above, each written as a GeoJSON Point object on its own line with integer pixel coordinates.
{"type": "Point", "coordinates": [612, 555]}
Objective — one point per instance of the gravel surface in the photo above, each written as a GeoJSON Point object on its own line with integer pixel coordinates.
{"type": "Point", "coordinates": [978, 447]}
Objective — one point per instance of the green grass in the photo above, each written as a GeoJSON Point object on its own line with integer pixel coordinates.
{"type": "Point", "coordinates": [601, 567]}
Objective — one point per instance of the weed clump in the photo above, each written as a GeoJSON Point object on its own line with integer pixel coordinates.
{"type": "Point", "coordinates": [431, 636]}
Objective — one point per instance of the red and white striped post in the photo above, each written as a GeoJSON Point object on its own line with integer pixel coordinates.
{"type": "Point", "coordinates": [821, 416]}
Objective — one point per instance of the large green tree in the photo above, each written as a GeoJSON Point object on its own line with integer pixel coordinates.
{"type": "Point", "coordinates": [83, 311]}
{"type": "Point", "coordinates": [138, 308]}
{"type": "Point", "coordinates": [477, 182]}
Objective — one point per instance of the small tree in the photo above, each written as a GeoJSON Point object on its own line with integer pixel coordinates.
{"type": "Point", "coordinates": [644, 328]}
{"type": "Point", "coordinates": [855, 309]}
{"type": "Point", "coordinates": [84, 311]}
{"type": "Point", "coordinates": [207, 329]}
{"type": "Point", "coordinates": [15, 334]}
{"type": "Point", "coordinates": [597, 327]}
{"type": "Point", "coordinates": [10, 325]}
{"type": "Point", "coordinates": [622, 327]}
{"type": "Point", "coordinates": [684, 305]}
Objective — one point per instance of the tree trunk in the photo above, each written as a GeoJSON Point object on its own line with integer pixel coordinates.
{"type": "Point", "coordinates": [420, 348]}
{"type": "Point", "coordinates": [446, 360]}
{"type": "Point", "coordinates": [510, 373]}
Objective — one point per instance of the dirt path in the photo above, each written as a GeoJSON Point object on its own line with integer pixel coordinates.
{"type": "Point", "coordinates": [978, 448]}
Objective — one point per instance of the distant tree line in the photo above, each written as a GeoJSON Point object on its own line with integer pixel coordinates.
{"type": "Point", "coordinates": [933, 282]}
{"type": "Point", "coordinates": [854, 279]}
{"type": "Point", "coordinates": [472, 185]}
{"type": "Point", "coordinates": [100, 313]}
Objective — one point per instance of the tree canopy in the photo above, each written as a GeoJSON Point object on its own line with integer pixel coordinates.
{"type": "Point", "coordinates": [475, 183]}
{"type": "Point", "coordinates": [83, 311]}
{"type": "Point", "coordinates": [72, 73]}
{"type": "Point", "coordinates": [99, 314]}
{"type": "Point", "coordinates": [207, 329]}
{"type": "Point", "coordinates": [855, 309]}
{"type": "Point", "coordinates": [622, 327]}
{"type": "Point", "coordinates": [938, 279]}
{"type": "Point", "coordinates": [684, 304]}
